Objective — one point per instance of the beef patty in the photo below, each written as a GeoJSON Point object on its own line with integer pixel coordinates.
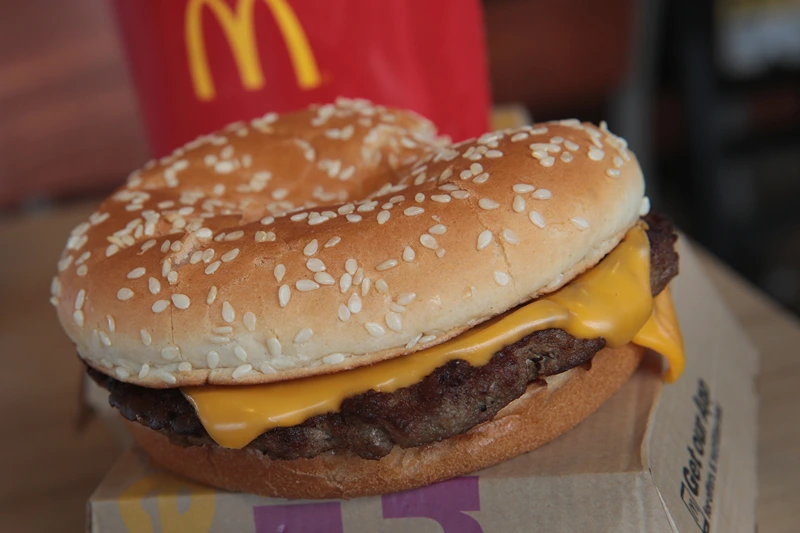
{"type": "Point", "coordinates": [450, 401]}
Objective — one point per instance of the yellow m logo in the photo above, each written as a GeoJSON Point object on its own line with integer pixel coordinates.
{"type": "Point", "coordinates": [238, 28]}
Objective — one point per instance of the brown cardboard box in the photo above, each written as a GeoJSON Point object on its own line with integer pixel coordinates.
{"type": "Point", "coordinates": [655, 458]}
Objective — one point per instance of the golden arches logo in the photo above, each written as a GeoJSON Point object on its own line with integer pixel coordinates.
{"type": "Point", "coordinates": [237, 25]}
{"type": "Point", "coordinates": [197, 517]}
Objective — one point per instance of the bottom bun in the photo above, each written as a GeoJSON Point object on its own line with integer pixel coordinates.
{"type": "Point", "coordinates": [543, 413]}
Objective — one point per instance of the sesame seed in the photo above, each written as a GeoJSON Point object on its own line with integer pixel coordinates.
{"type": "Point", "coordinates": [394, 321]}
{"type": "Point", "coordinates": [212, 295]}
{"type": "Point", "coordinates": [488, 204]}
{"type": "Point", "coordinates": [618, 162]}
{"type": "Point", "coordinates": [344, 313]}
{"type": "Point", "coordinates": [566, 157]}
{"type": "Point", "coordinates": [80, 298]}
{"type": "Point", "coordinates": [521, 136]}
{"type": "Point", "coordinates": [136, 273]}
{"type": "Point", "coordinates": [571, 145]}
{"type": "Point", "coordinates": [333, 359]}
{"type": "Point", "coordinates": [382, 286]}
{"type": "Point", "coordinates": [595, 154]}
{"type": "Point", "coordinates": [267, 220]}
{"type": "Point", "coordinates": [230, 256]}
{"type": "Point", "coordinates": [537, 219]}
{"type": "Point", "coordinates": [112, 324]}
{"type": "Point", "coordinates": [351, 265]}
{"type": "Point", "coordinates": [77, 316]}
{"type": "Point", "coordinates": [160, 305]}
{"type": "Point", "coordinates": [184, 366]}
{"type": "Point", "coordinates": [208, 255]}
{"type": "Point", "coordinates": [111, 250]}
{"type": "Point", "coordinates": [481, 178]}
{"type": "Point", "coordinates": [365, 285]}
{"type": "Point", "coordinates": [345, 282]}
{"type": "Point", "coordinates": [419, 197]}
{"type": "Point", "coordinates": [176, 246]}
{"type": "Point", "coordinates": [263, 236]}
{"type": "Point", "coordinates": [144, 371]}
{"type": "Point", "coordinates": [548, 161]}
{"type": "Point", "coordinates": [333, 241]}
{"type": "Point", "coordinates": [374, 329]}
{"type": "Point", "coordinates": [645, 207]}
{"type": "Point", "coordinates": [428, 241]}
{"type": "Point", "coordinates": [240, 353]}
{"type": "Point", "coordinates": [386, 265]}
{"type": "Point", "coordinates": [82, 270]}
{"type": "Point", "coordinates": [242, 371]}
{"type": "Point", "coordinates": [510, 237]}
{"type": "Point", "coordinates": [124, 294]}
{"type": "Point", "coordinates": [612, 173]}
{"type": "Point", "coordinates": [427, 338]}
{"type": "Point", "coordinates": [274, 347]}
{"type": "Point", "coordinates": [466, 174]}
{"type": "Point", "coordinates": [518, 204]}
{"type": "Point", "coordinates": [304, 335]}
{"type": "Point", "coordinates": [279, 272]}
{"type": "Point", "coordinates": [413, 211]}
{"type": "Point", "coordinates": [441, 198]}
{"type": "Point", "coordinates": [210, 269]}
{"type": "Point", "coordinates": [223, 330]}
{"type": "Point", "coordinates": [311, 248]}
{"type": "Point", "coordinates": [181, 301]}
{"type": "Point", "coordinates": [196, 257]}
{"type": "Point", "coordinates": [354, 303]}
{"type": "Point", "coordinates": [580, 223]}
{"type": "Point", "coordinates": [438, 229]}
{"type": "Point", "coordinates": [523, 188]}
{"type": "Point", "coordinates": [383, 216]}
{"type": "Point", "coordinates": [484, 239]}
{"type": "Point", "coordinates": [298, 217]}
{"type": "Point", "coordinates": [213, 359]}
{"type": "Point", "coordinates": [279, 194]}
{"type": "Point", "coordinates": [476, 168]}
{"type": "Point", "coordinates": [501, 278]}
{"type": "Point", "coordinates": [305, 285]}
{"type": "Point", "coordinates": [353, 217]}
{"type": "Point", "coordinates": [104, 338]}
{"type": "Point", "coordinates": [323, 278]}
{"type": "Point", "coordinates": [166, 377]}
{"type": "Point", "coordinates": [493, 154]}
{"type": "Point", "coordinates": [315, 265]}
{"type": "Point", "coordinates": [146, 338]}
{"type": "Point", "coordinates": [170, 352]}
{"type": "Point", "coordinates": [172, 277]}
{"type": "Point", "coordinates": [413, 342]}
{"type": "Point", "coordinates": [250, 321]}
{"type": "Point", "coordinates": [408, 254]}
{"type": "Point", "coordinates": [460, 195]}
{"type": "Point", "coordinates": [228, 314]}
{"type": "Point", "coordinates": [203, 233]}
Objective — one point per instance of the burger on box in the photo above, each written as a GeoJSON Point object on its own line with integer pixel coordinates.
{"type": "Point", "coordinates": [655, 457]}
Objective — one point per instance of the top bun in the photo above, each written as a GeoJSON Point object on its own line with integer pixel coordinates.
{"type": "Point", "coordinates": [331, 238]}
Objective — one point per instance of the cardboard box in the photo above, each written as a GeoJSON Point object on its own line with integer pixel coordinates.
{"type": "Point", "coordinates": [654, 458]}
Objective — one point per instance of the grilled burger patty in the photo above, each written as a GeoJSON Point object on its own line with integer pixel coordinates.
{"type": "Point", "coordinates": [450, 401]}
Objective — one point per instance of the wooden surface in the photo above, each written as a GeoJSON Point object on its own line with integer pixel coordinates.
{"type": "Point", "coordinates": [49, 468]}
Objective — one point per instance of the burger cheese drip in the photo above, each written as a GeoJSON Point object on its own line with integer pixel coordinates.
{"type": "Point", "coordinates": [612, 300]}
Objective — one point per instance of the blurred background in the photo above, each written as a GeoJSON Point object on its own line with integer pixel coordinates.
{"type": "Point", "coordinates": [707, 94]}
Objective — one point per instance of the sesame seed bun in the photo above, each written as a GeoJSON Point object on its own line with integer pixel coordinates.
{"type": "Point", "coordinates": [543, 413]}
{"type": "Point", "coordinates": [332, 238]}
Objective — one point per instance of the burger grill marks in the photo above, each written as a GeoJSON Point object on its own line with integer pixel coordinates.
{"type": "Point", "coordinates": [448, 402]}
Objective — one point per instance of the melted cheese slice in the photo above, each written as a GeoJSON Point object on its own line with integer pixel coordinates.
{"type": "Point", "coordinates": [611, 300]}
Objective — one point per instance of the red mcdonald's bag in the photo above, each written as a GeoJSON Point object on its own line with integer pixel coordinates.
{"type": "Point", "coordinates": [199, 64]}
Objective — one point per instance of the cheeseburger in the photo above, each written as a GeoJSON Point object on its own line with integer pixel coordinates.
{"type": "Point", "coordinates": [336, 302]}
